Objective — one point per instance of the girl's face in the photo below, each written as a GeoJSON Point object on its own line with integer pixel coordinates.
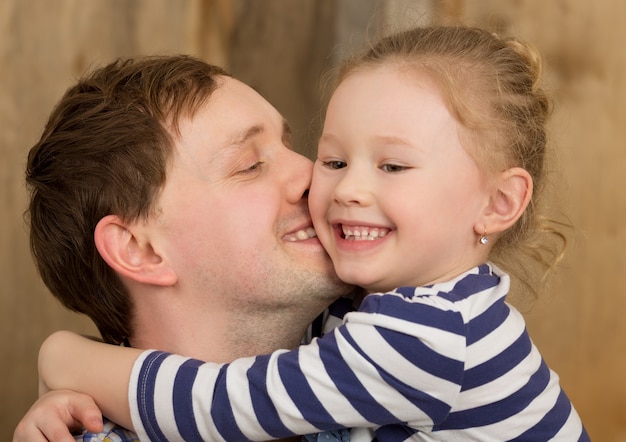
{"type": "Point", "coordinates": [396, 200]}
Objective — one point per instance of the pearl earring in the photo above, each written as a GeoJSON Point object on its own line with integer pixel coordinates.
{"type": "Point", "coordinates": [483, 239]}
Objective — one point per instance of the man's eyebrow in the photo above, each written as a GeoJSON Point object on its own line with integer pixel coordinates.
{"type": "Point", "coordinates": [241, 137]}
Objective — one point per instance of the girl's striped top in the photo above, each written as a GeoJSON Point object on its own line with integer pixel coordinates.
{"type": "Point", "coordinates": [448, 362]}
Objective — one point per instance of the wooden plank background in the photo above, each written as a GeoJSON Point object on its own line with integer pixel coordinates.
{"type": "Point", "coordinates": [579, 324]}
{"type": "Point", "coordinates": [282, 47]}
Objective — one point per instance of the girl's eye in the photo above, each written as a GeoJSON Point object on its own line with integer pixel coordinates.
{"type": "Point", "coordinates": [334, 164]}
{"type": "Point", "coordinates": [393, 168]}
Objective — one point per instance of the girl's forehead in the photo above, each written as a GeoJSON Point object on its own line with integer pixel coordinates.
{"type": "Point", "coordinates": [374, 106]}
{"type": "Point", "coordinates": [390, 76]}
{"type": "Point", "coordinates": [384, 89]}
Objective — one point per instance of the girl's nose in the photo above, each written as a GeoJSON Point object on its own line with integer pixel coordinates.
{"type": "Point", "coordinates": [353, 189]}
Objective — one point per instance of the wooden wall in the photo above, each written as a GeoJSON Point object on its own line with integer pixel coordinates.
{"type": "Point", "coordinates": [281, 47]}
{"type": "Point", "coordinates": [579, 325]}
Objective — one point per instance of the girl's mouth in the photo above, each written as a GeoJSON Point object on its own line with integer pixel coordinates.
{"type": "Point", "coordinates": [363, 233]}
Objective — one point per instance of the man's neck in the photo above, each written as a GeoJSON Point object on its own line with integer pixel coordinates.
{"type": "Point", "coordinates": [219, 336]}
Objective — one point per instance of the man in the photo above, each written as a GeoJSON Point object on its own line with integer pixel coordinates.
{"type": "Point", "coordinates": [167, 204]}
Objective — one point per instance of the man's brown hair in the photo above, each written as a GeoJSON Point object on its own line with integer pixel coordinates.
{"type": "Point", "coordinates": [105, 151]}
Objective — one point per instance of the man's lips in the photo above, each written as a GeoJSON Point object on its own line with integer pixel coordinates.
{"type": "Point", "coordinates": [301, 235]}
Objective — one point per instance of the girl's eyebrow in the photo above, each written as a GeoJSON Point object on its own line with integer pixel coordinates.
{"type": "Point", "coordinates": [393, 139]}
{"type": "Point", "coordinates": [326, 137]}
{"type": "Point", "coordinates": [384, 140]}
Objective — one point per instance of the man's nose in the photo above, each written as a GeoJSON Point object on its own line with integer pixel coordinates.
{"type": "Point", "coordinates": [300, 172]}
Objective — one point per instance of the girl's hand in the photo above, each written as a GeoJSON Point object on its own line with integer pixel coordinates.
{"type": "Point", "coordinates": [68, 361]}
{"type": "Point", "coordinates": [55, 414]}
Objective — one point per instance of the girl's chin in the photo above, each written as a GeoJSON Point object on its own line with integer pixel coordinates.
{"type": "Point", "coordinates": [358, 280]}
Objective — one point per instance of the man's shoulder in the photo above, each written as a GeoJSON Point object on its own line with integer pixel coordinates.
{"type": "Point", "coordinates": [111, 433]}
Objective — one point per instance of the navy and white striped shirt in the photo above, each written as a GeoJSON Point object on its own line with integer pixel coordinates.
{"type": "Point", "coordinates": [448, 362]}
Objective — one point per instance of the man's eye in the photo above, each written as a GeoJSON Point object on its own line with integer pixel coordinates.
{"type": "Point", "coordinates": [334, 164]}
{"type": "Point", "coordinates": [255, 167]}
{"type": "Point", "coordinates": [393, 168]}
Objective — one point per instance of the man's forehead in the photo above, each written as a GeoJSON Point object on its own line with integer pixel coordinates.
{"type": "Point", "coordinates": [239, 105]}
{"type": "Point", "coordinates": [234, 116]}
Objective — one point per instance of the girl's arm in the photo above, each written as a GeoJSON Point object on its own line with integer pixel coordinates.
{"type": "Point", "coordinates": [393, 362]}
{"type": "Point", "coordinates": [68, 361]}
{"type": "Point", "coordinates": [398, 362]}
{"type": "Point", "coordinates": [377, 369]}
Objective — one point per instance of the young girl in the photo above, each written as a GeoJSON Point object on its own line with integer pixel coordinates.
{"type": "Point", "coordinates": [429, 163]}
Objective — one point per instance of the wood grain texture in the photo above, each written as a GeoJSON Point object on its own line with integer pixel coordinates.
{"type": "Point", "coordinates": [578, 323]}
{"type": "Point", "coordinates": [281, 47]}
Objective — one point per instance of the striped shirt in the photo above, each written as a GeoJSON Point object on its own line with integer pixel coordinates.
{"type": "Point", "coordinates": [452, 361]}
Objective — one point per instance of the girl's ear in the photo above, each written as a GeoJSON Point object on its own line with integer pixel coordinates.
{"type": "Point", "coordinates": [126, 248]}
{"type": "Point", "coordinates": [511, 196]}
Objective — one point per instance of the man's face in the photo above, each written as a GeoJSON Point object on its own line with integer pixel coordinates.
{"type": "Point", "coordinates": [232, 219]}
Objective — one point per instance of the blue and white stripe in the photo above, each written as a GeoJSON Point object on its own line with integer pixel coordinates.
{"type": "Point", "coordinates": [448, 362]}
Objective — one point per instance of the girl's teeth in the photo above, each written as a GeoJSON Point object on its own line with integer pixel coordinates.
{"type": "Point", "coordinates": [364, 233]}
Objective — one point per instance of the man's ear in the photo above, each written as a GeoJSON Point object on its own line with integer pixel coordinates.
{"type": "Point", "coordinates": [128, 251]}
{"type": "Point", "coordinates": [511, 196]}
